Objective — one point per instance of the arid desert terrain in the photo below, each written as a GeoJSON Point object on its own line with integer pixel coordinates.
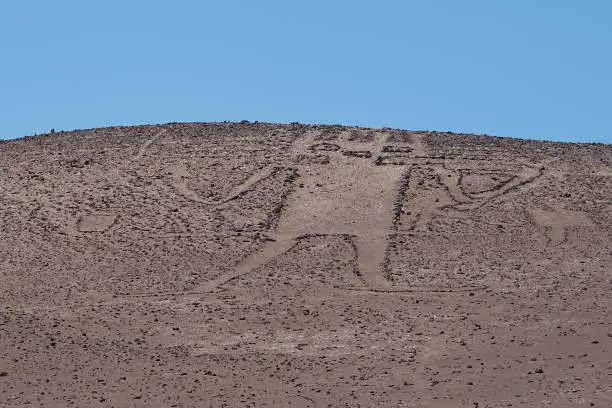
{"type": "Point", "coordinates": [251, 265]}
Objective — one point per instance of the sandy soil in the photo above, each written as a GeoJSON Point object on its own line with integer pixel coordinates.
{"type": "Point", "coordinates": [223, 264]}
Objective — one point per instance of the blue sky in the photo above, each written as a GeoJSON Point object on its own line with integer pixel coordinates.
{"type": "Point", "coordinates": [522, 68]}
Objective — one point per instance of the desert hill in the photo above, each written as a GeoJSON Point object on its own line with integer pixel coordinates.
{"type": "Point", "coordinates": [252, 264]}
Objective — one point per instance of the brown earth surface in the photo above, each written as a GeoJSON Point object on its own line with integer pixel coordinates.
{"type": "Point", "coordinates": [224, 264]}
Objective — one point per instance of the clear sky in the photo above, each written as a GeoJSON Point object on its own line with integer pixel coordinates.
{"type": "Point", "coordinates": [523, 68]}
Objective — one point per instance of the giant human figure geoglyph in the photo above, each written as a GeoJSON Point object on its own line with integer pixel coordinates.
{"type": "Point", "coordinates": [349, 195]}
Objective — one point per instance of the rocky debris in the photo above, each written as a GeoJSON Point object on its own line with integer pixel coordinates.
{"type": "Point", "coordinates": [503, 274]}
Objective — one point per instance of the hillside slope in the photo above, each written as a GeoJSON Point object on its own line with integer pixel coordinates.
{"type": "Point", "coordinates": [260, 264]}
